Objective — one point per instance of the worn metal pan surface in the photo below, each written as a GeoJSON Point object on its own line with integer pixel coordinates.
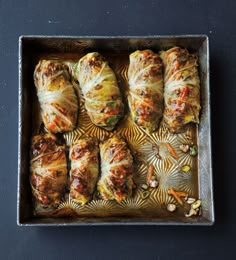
{"type": "Point", "coordinates": [136, 210]}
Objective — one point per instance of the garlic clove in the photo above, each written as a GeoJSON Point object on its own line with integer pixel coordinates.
{"type": "Point", "coordinates": [144, 186]}
{"type": "Point", "coordinates": [184, 148]}
{"type": "Point", "coordinates": [190, 200]}
{"type": "Point", "coordinates": [171, 207]}
{"type": "Point", "coordinates": [153, 183]}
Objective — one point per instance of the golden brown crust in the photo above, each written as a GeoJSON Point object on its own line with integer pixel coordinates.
{"type": "Point", "coordinates": [48, 170]}
{"type": "Point", "coordinates": [182, 89]}
{"type": "Point", "coordinates": [57, 97]}
{"type": "Point", "coordinates": [99, 86]}
{"type": "Point", "coordinates": [116, 170]}
{"type": "Point", "coordinates": [146, 89]}
{"type": "Point", "coordinates": [84, 169]}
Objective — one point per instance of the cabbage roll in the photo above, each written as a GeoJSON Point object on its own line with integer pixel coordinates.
{"type": "Point", "coordinates": [99, 86]}
{"type": "Point", "coordinates": [84, 169]}
{"type": "Point", "coordinates": [57, 97]}
{"type": "Point", "coordinates": [182, 88]}
{"type": "Point", "coordinates": [145, 89]}
{"type": "Point", "coordinates": [116, 182]}
{"type": "Point", "coordinates": [48, 168]}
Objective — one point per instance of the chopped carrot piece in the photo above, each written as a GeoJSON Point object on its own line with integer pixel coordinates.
{"type": "Point", "coordinates": [178, 76]}
{"type": "Point", "coordinates": [150, 173]}
{"type": "Point", "coordinates": [172, 151]}
{"type": "Point", "coordinates": [171, 191]}
{"type": "Point", "coordinates": [52, 126]}
{"type": "Point", "coordinates": [182, 95]}
{"type": "Point", "coordinates": [103, 118]}
{"type": "Point", "coordinates": [177, 195]}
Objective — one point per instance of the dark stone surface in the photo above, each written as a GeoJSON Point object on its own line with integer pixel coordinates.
{"type": "Point", "coordinates": [214, 18]}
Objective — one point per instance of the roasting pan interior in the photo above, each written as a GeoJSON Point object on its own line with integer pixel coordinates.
{"type": "Point", "coordinates": [34, 46]}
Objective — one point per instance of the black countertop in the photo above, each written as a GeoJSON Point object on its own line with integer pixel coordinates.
{"type": "Point", "coordinates": [214, 18]}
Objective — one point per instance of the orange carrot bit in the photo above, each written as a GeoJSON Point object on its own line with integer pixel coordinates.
{"type": "Point", "coordinates": [150, 173]}
{"type": "Point", "coordinates": [184, 92]}
{"type": "Point", "coordinates": [172, 151]}
{"type": "Point", "coordinates": [178, 76]}
{"type": "Point", "coordinates": [52, 126]}
{"type": "Point", "coordinates": [177, 195]}
{"type": "Point", "coordinates": [181, 193]}
{"type": "Point", "coordinates": [176, 66]}
{"type": "Point", "coordinates": [103, 118]}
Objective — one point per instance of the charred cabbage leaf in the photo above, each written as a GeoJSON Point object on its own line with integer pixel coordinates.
{"type": "Point", "coordinates": [116, 182]}
{"type": "Point", "coordinates": [48, 168]}
{"type": "Point", "coordinates": [84, 169]}
{"type": "Point", "coordinates": [182, 88]}
{"type": "Point", "coordinates": [145, 89]}
{"type": "Point", "coordinates": [57, 97]}
{"type": "Point", "coordinates": [99, 86]}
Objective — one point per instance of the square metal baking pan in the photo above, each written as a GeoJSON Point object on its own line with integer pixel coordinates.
{"type": "Point", "coordinates": [29, 46]}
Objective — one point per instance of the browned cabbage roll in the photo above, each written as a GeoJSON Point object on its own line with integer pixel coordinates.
{"type": "Point", "coordinates": [182, 88]}
{"type": "Point", "coordinates": [146, 89]}
{"type": "Point", "coordinates": [99, 86]}
{"type": "Point", "coordinates": [84, 169]}
{"type": "Point", "coordinates": [48, 170]}
{"type": "Point", "coordinates": [116, 182]}
{"type": "Point", "coordinates": [57, 97]}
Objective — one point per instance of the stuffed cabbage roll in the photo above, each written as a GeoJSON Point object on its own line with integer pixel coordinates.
{"type": "Point", "coordinates": [84, 169]}
{"type": "Point", "coordinates": [48, 168]}
{"type": "Point", "coordinates": [57, 97]}
{"type": "Point", "coordinates": [146, 89]}
{"type": "Point", "coordinates": [99, 86]}
{"type": "Point", "coordinates": [116, 182]}
{"type": "Point", "coordinates": [182, 88]}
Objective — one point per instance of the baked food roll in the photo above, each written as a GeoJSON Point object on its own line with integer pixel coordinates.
{"type": "Point", "coordinates": [182, 88]}
{"type": "Point", "coordinates": [145, 89]}
{"type": "Point", "coordinates": [84, 169]}
{"type": "Point", "coordinates": [48, 169]}
{"type": "Point", "coordinates": [116, 182]}
{"type": "Point", "coordinates": [99, 86]}
{"type": "Point", "coordinates": [56, 95]}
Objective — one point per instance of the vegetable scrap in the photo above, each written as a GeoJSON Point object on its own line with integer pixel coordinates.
{"type": "Point", "coordinates": [190, 200]}
{"type": "Point", "coordinates": [195, 209]}
{"type": "Point", "coordinates": [184, 148]}
{"type": "Point", "coordinates": [193, 150]}
{"type": "Point", "coordinates": [156, 151]}
{"type": "Point", "coordinates": [151, 179]}
{"type": "Point", "coordinates": [171, 207]}
{"type": "Point", "coordinates": [185, 168]}
{"type": "Point", "coordinates": [191, 213]}
{"type": "Point", "coordinates": [172, 151]}
{"type": "Point", "coordinates": [144, 186]}
{"type": "Point", "coordinates": [153, 183]}
{"type": "Point", "coordinates": [150, 173]}
{"type": "Point", "coordinates": [177, 195]}
{"type": "Point", "coordinates": [195, 205]}
{"type": "Point", "coordinates": [145, 194]}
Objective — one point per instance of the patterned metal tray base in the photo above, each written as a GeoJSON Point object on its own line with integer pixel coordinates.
{"type": "Point", "coordinates": [147, 149]}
